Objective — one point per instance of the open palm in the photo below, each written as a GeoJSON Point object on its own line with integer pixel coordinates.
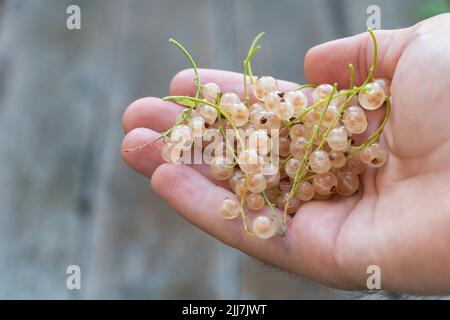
{"type": "Point", "coordinates": [399, 221]}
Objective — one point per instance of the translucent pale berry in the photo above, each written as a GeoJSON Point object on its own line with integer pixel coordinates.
{"type": "Point", "coordinates": [284, 145]}
{"type": "Point", "coordinates": [373, 98]}
{"type": "Point", "coordinates": [208, 113]}
{"type": "Point", "coordinates": [230, 209]}
{"type": "Point", "coordinates": [355, 120]}
{"type": "Point", "coordinates": [298, 99]}
{"type": "Point", "coordinates": [210, 91]}
{"type": "Point", "coordinates": [272, 100]}
{"type": "Point", "coordinates": [291, 167]}
{"type": "Point", "coordinates": [170, 153]}
{"type": "Point", "coordinates": [347, 183]}
{"type": "Point", "coordinates": [319, 161]}
{"type": "Point", "coordinates": [272, 194]}
{"type": "Point", "coordinates": [338, 139]}
{"type": "Point", "coordinates": [338, 159]}
{"type": "Point", "coordinates": [374, 156]}
{"type": "Point", "coordinates": [240, 114]}
{"type": "Point", "coordinates": [182, 136]}
{"type": "Point", "coordinates": [254, 201]}
{"type": "Point", "coordinates": [305, 191]}
{"type": "Point", "coordinates": [259, 140]}
{"type": "Point", "coordinates": [312, 117]}
{"type": "Point", "coordinates": [228, 100]}
{"type": "Point", "coordinates": [197, 125]}
{"type": "Point", "coordinates": [285, 110]}
{"type": "Point", "coordinates": [221, 168]}
{"type": "Point", "coordinates": [267, 120]}
{"type": "Point", "coordinates": [237, 182]}
{"type": "Point", "coordinates": [264, 85]}
{"type": "Point", "coordinates": [330, 115]}
{"type": "Point", "coordinates": [264, 227]}
{"type": "Point", "coordinates": [272, 180]}
{"type": "Point", "coordinates": [297, 131]}
{"type": "Point", "coordinates": [293, 203]}
{"type": "Point", "coordinates": [298, 148]}
{"type": "Point", "coordinates": [256, 183]}
{"type": "Point", "coordinates": [355, 164]}
{"type": "Point", "coordinates": [385, 84]}
{"type": "Point", "coordinates": [322, 92]}
{"type": "Point", "coordinates": [325, 183]}
{"type": "Point", "coordinates": [250, 161]}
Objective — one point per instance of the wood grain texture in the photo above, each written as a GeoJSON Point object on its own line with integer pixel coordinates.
{"type": "Point", "coordinates": [66, 196]}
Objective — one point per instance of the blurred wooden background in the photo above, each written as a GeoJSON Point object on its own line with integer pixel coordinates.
{"type": "Point", "coordinates": [67, 198]}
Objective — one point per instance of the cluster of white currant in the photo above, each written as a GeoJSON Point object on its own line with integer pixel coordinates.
{"type": "Point", "coordinates": [318, 158]}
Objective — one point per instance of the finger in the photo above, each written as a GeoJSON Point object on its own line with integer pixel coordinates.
{"type": "Point", "coordinates": [328, 63]}
{"type": "Point", "coordinates": [198, 200]}
{"type": "Point", "coordinates": [146, 160]}
{"type": "Point", "coordinates": [151, 113]}
{"type": "Point", "coordinates": [183, 83]}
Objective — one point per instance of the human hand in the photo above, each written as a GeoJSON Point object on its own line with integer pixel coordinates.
{"type": "Point", "coordinates": [400, 219]}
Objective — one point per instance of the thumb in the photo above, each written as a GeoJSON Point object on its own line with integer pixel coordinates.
{"type": "Point", "coordinates": [328, 63]}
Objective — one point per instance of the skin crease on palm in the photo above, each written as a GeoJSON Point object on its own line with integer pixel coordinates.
{"type": "Point", "coordinates": [399, 221]}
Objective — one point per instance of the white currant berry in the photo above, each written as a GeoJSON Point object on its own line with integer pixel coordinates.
{"type": "Point", "coordinates": [385, 84]}
{"type": "Point", "coordinates": [373, 98]}
{"type": "Point", "coordinates": [221, 168]}
{"type": "Point", "coordinates": [338, 139]}
{"type": "Point", "coordinates": [319, 161]}
{"type": "Point", "coordinates": [264, 227]}
{"type": "Point", "coordinates": [322, 92]}
{"type": "Point", "coordinates": [197, 125]}
{"type": "Point", "coordinates": [210, 91]}
{"type": "Point", "coordinates": [228, 100]}
{"type": "Point", "coordinates": [285, 110]}
{"type": "Point", "coordinates": [208, 113]}
{"type": "Point", "coordinates": [272, 100]}
{"type": "Point", "coordinates": [264, 85]}
{"type": "Point", "coordinates": [374, 156]}
{"type": "Point", "coordinates": [240, 114]}
{"type": "Point", "coordinates": [355, 120]}
{"type": "Point", "coordinates": [182, 136]}
{"type": "Point", "coordinates": [298, 99]}
{"type": "Point", "coordinates": [230, 209]}
{"type": "Point", "coordinates": [250, 161]}
{"type": "Point", "coordinates": [256, 183]}
{"type": "Point", "coordinates": [255, 202]}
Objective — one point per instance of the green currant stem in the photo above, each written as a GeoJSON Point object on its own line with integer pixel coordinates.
{"type": "Point", "coordinates": [196, 100]}
{"type": "Point", "coordinates": [247, 65]}
{"type": "Point", "coordinates": [318, 103]}
{"type": "Point", "coordinates": [336, 118]}
{"type": "Point", "coordinates": [221, 130]}
{"type": "Point", "coordinates": [375, 57]}
{"type": "Point", "coordinates": [303, 165]}
{"type": "Point", "coordinates": [274, 214]}
{"type": "Point", "coordinates": [352, 75]}
{"type": "Point", "coordinates": [374, 137]}
{"type": "Point", "coordinates": [304, 86]}
{"type": "Point", "coordinates": [193, 64]}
